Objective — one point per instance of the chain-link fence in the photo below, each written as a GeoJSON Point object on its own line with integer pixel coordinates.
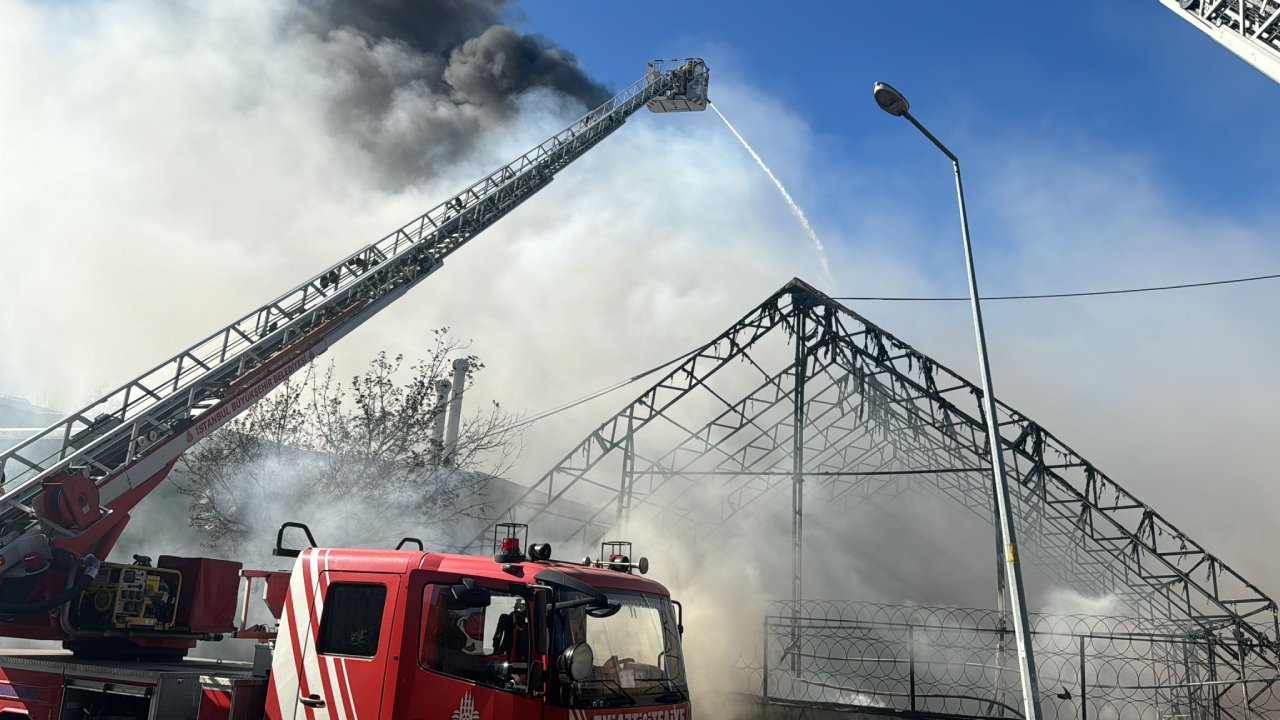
{"type": "Point", "coordinates": [964, 662]}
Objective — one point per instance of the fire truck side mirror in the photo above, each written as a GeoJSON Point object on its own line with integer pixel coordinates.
{"type": "Point", "coordinates": [539, 620]}
{"type": "Point", "coordinates": [468, 595]}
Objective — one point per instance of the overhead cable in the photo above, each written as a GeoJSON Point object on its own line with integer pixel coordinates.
{"type": "Point", "coordinates": [603, 391]}
{"type": "Point", "coordinates": [1091, 293]}
{"type": "Point", "coordinates": [1125, 291]}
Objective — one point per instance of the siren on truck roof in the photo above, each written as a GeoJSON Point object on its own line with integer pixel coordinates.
{"type": "Point", "coordinates": [615, 555]}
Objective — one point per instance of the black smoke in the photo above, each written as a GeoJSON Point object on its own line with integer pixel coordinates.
{"type": "Point", "coordinates": [420, 81]}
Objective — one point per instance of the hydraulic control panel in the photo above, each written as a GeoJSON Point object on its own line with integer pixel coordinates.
{"type": "Point", "coordinates": [129, 597]}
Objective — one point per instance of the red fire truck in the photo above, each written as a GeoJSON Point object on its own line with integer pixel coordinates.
{"type": "Point", "coordinates": [382, 634]}
{"type": "Point", "coordinates": [356, 633]}
{"type": "Point", "coordinates": [413, 634]}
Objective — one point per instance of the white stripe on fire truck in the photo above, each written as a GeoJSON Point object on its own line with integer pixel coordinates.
{"type": "Point", "coordinates": [319, 562]}
{"type": "Point", "coordinates": [308, 670]}
{"type": "Point", "coordinates": [313, 661]}
{"type": "Point", "coordinates": [288, 663]}
{"type": "Point", "coordinates": [346, 678]}
{"type": "Point", "coordinates": [302, 605]}
{"type": "Point", "coordinates": [333, 687]}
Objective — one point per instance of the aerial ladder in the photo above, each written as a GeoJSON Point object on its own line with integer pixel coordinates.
{"type": "Point", "coordinates": [68, 490]}
{"type": "Point", "coordinates": [1248, 28]}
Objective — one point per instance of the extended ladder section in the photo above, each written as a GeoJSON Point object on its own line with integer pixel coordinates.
{"type": "Point", "coordinates": [1248, 28]}
{"type": "Point", "coordinates": [102, 459]}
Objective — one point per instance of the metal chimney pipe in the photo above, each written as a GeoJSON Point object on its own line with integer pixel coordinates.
{"type": "Point", "coordinates": [437, 432]}
{"type": "Point", "coordinates": [460, 368]}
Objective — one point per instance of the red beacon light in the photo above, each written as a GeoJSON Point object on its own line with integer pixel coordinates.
{"type": "Point", "coordinates": [508, 542]}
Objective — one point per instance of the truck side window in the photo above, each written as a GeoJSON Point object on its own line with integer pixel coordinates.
{"type": "Point", "coordinates": [352, 619]}
{"type": "Point", "coordinates": [488, 645]}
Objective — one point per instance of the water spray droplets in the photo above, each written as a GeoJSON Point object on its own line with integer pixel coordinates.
{"type": "Point", "coordinates": [795, 209]}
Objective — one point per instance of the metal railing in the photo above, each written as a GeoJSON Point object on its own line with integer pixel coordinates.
{"type": "Point", "coordinates": [1248, 28]}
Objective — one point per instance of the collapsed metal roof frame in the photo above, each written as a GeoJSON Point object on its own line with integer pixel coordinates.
{"type": "Point", "coordinates": [873, 412]}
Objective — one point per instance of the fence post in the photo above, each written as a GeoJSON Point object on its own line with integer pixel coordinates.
{"type": "Point", "coordinates": [764, 689]}
{"type": "Point", "coordinates": [1084, 698]}
{"type": "Point", "coordinates": [1188, 694]}
{"type": "Point", "coordinates": [911, 664]}
{"type": "Point", "coordinates": [1213, 679]}
{"type": "Point", "coordinates": [1244, 672]}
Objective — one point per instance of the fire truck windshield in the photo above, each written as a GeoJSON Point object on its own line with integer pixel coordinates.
{"type": "Point", "coordinates": [636, 658]}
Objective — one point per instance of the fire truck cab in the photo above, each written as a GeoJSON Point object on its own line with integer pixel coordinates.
{"type": "Point", "coordinates": [411, 634]}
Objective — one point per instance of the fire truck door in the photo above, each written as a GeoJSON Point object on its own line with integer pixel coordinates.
{"type": "Point", "coordinates": [346, 647]}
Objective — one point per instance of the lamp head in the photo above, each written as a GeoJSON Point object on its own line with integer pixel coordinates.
{"type": "Point", "coordinates": [890, 100]}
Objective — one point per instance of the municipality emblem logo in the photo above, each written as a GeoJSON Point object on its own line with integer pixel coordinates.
{"type": "Point", "coordinates": [467, 709]}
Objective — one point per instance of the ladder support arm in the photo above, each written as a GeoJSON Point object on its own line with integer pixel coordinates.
{"type": "Point", "coordinates": [121, 441]}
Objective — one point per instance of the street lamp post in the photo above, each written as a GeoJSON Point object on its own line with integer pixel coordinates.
{"type": "Point", "coordinates": [893, 102]}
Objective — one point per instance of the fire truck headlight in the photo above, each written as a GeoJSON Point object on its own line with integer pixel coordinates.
{"type": "Point", "coordinates": [577, 661]}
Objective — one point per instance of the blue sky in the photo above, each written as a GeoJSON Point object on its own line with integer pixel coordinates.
{"type": "Point", "coordinates": [1125, 78]}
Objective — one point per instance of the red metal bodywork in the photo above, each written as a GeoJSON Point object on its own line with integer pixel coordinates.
{"type": "Point", "coordinates": [207, 603]}
{"type": "Point", "coordinates": [32, 692]}
{"type": "Point", "coordinates": [42, 685]}
{"type": "Point", "coordinates": [394, 685]}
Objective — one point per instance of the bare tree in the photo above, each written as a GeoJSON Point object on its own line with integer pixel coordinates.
{"type": "Point", "coordinates": [357, 459]}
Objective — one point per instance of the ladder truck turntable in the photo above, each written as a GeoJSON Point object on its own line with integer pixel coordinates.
{"type": "Point", "coordinates": [358, 634]}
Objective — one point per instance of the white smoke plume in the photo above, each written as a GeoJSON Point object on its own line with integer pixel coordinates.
{"type": "Point", "coordinates": [170, 165]}
{"type": "Point", "coordinates": [198, 159]}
